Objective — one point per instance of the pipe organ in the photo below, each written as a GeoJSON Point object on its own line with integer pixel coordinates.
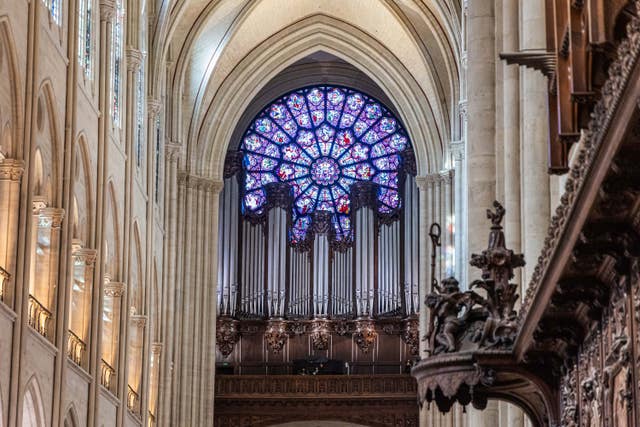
{"type": "Point", "coordinates": [261, 275]}
{"type": "Point", "coordinates": [319, 229]}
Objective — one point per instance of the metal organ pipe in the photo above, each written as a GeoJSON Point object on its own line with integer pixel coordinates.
{"type": "Point", "coordinates": [227, 243]}
{"type": "Point", "coordinates": [276, 258]}
{"type": "Point", "coordinates": [411, 244]}
{"type": "Point", "coordinates": [364, 261]}
{"type": "Point", "coordinates": [321, 275]}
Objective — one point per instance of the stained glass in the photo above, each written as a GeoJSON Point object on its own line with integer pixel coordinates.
{"type": "Point", "coordinates": [321, 140]}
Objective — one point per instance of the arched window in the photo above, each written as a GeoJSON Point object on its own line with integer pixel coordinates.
{"type": "Point", "coordinates": [116, 63]}
{"type": "Point", "coordinates": [321, 141]}
{"type": "Point", "coordinates": [85, 34]}
{"type": "Point", "coordinates": [55, 9]}
{"type": "Point", "coordinates": [140, 116]}
{"type": "Point", "coordinates": [158, 161]}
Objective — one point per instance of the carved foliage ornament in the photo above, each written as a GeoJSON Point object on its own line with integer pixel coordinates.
{"type": "Point", "coordinates": [468, 320]}
{"type": "Point", "coordinates": [365, 334]}
{"type": "Point", "coordinates": [320, 334]}
{"type": "Point", "coordinates": [227, 335]}
{"type": "Point", "coordinates": [276, 335]}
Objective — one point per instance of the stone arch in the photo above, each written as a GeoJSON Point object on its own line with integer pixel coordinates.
{"type": "Point", "coordinates": [82, 191]}
{"type": "Point", "coordinates": [32, 405]}
{"type": "Point", "coordinates": [10, 89]}
{"type": "Point", "coordinates": [136, 275]}
{"type": "Point", "coordinates": [47, 143]}
{"type": "Point", "coordinates": [317, 33]}
{"type": "Point", "coordinates": [71, 417]}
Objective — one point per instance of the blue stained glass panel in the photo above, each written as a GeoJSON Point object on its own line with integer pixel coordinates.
{"type": "Point", "coordinates": [321, 140]}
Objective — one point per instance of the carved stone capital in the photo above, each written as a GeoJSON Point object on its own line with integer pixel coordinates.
{"type": "Point", "coordinates": [457, 150]}
{"type": "Point", "coordinates": [172, 151]}
{"type": "Point", "coordinates": [50, 217]}
{"type": "Point", "coordinates": [84, 256]}
{"type": "Point", "coordinates": [107, 10]}
{"type": "Point", "coordinates": [156, 348]}
{"type": "Point", "coordinates": [153, 107]}
{"type": "Point", "coordinates": [11, 170]}
{"type": "Point", "coordinates": [134, 59]}
{"type": "Point", "coordinates": [138, 321]}
{"type": "Point", "coordinates": [38, 203]}
{"type": "Point", "coordinates": [114, 289]}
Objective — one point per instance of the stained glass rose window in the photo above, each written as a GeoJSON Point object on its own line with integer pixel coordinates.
{"type": "Point", "coordinates": [321, 140]}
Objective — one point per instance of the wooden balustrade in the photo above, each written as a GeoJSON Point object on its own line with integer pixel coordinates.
{"type": "Point", "coordinates": [39, 317]}
{"type": "Point", "coordinates": [107, 375]}
{"type": "Point", "coordinates": [4, 280]}
{"type": "Point", "coordinates": [76, 349]}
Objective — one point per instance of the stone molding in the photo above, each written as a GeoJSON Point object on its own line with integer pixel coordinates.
{"type": "Point", "coordinates": [199, 182]}
{"type": "Point", "coordinates": [11, 169]}
{"type": "Point", "coordinates": [457, 150]}
{"type": "Point", "coordinates": [443, 177]}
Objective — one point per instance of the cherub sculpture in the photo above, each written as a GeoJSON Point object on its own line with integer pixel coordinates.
{"type": "Point", "coordinates": [449, 310]}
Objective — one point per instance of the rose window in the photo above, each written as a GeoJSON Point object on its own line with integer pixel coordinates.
{"type": "Point", "coordinates": [320, 141]}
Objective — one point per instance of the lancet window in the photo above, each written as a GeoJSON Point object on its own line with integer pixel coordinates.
{"type": "Point", "coordinates": [116, 63]}
{"type": "Point", "coordinates": [85, 34]}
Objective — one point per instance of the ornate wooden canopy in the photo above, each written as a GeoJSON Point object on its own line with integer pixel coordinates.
{"type": "Point", "coordinates": [582, 36]}
{"type": "Point", "coordinates": [572, 357]}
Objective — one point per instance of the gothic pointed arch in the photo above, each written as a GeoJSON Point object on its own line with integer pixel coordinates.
{"type": "Point", "coordinates": [32, 405]}
{"type": "Point", "coordinates": [10, 91]}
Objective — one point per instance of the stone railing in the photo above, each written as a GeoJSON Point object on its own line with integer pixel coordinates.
{"type": "Point", "coordinates": [39, 317]}
{"type": "Point", "coordinates": [76, 349]}
{"type": "Point", "coordinates": [107, 375]}
{"type": "Point", "coordinates": [133, 400]}
{"type": "Point", "coordinates": [4, 281]}
{"type": "Point", "coordinates": [324, 386]}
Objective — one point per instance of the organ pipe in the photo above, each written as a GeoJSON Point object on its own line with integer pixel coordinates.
{"type": "Point", "coordinates": [276, 261]}
{"type": "Point", "coordinates": [341, 282]}
{"type": "Point", "coordinates": [411, 245]}
{"type": "Point", "coordinates": [228, 242]}
{"type": "Point", "coordinates": [364, 261]}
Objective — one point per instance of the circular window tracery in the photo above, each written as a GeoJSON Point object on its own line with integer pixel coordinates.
{"type": "Point", "coordinates": [321, 140]}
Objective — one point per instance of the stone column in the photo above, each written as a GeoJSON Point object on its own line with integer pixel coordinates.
{"type": "Point", "coordinates": [135, 345]}
{"type": "Point", "coordinates": [457, 150]}
{"type": "Point", "coordinates": [113, 296]}
{"type": "Point", "coordinates": [154, 377]}
{"type": "Point", "coordinates": [11, 171]}
{"type": "Point", "coordinates": [107, 15]}
{"type": "Point", "coordinates": [46, 267]}
{"type": "Point", "coordinates": [80, 310]}
{"type": "Point", "coordinates": [165, 373]}
{"type": "Point", "coordinates": [511, 126]}
{"type": "Point", "coordinates": [423, 200]}
{"type": "Point", "coordinates": [480, 135]}
{"type": "Point", "coordinates": [534, 134]}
